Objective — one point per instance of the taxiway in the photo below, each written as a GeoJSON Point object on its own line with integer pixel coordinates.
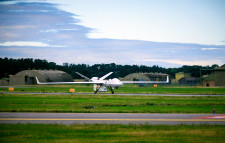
{"type": "Point", "coordinates": [122, 94]}
{"type": "Point", "coordinates": [112, 118]}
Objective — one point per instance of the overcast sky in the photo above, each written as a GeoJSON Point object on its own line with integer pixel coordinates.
{"type": "Point", "coordinates": [168, 33]}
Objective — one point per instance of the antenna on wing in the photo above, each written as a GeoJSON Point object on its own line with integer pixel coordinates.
{"type": "Point", "coordinates": [83, 76]}
{"type": "Point", "coordinates": [37, 80]}
{"type": "Point", "coordinates": [167, 79]}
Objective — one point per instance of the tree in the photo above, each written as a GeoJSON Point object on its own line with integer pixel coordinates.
{"type": "Point", "coordinates": [12, 66]}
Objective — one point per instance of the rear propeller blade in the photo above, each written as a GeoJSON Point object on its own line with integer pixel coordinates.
{"type": "Point", "coordinates": [105, 76]}
{"type": "Point", "coordinates": [83, 76]}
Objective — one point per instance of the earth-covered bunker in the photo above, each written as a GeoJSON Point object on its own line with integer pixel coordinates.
{"type": "Point", "coordinates": [27, 77]}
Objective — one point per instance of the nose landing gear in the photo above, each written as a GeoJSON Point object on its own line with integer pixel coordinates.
{"type": "Point", "coordinates": [111, 89]}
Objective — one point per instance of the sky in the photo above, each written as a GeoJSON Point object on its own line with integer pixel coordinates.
{"type": "Point", "coordinates": [168, 33]}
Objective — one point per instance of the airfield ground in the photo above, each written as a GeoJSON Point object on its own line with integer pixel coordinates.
{"type": "Point", "coordinates": [82, 103]}
{"type": "Point", "coordinates": [112, 104]}
{"type": "Point", "coordinates": [21, 133]}
{"type": "Point", "coordinates": [128, 88]}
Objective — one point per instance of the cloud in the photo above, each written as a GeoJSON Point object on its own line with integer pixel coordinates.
{"type": "Point", "coordinates": [209, 48]}
{"type": "Point", "coordinates": [181, 62]}
{"type": "Point", "coordinates": [40, 30]}
{"type": "Point", "coordinates": [28, 43]}
{"type": "Point", "coordinates": [57, 30]}
{"type": "Point", "coordinates": [38, 22]}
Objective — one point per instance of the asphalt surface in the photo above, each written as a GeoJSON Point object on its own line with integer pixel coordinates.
{"type": "Point", "coordinates": [112, 118]}
{"type": "Point", "coordinates": [123, 94]}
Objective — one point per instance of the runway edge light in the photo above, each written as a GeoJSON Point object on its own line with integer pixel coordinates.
{"type": "Point", "coordinates": [11, 88]}
{"type": "Point", "coordinates": [72, 90]}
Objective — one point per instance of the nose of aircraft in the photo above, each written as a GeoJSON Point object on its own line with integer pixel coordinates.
{"type": "Point", "coordinates": [115, 82]}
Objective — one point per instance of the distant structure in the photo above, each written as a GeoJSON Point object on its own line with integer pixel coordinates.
{"type": "Point", "coordinates": [189, 80]}
{"type": "Point", "coordinates": [208, 80]}
{"type": "Point", "coordinates": [185, 78]}
{"type": "Point", "coordinates": [220, 75]}
{"type": "Point", "coordinates": [145, 77]}
{"type": "Point", "coordinates": [215, 78]}
{"type": "Point", "coordinates": [4, 81]}
{"type": "Point", "coordinates": [179, 76]}
{"type": "Point", "coordinates": [27, 77]}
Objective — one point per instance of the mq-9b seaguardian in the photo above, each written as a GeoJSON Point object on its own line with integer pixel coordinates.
{"type": "Point", "coordinates": [100, 84]}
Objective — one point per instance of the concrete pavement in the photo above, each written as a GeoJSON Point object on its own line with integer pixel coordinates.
{"type": "Point", "coordinates": [123, 94]}
{"type": "Point", "coordinates": [112, 118]}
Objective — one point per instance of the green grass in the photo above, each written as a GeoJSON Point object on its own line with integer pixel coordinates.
{"type": "Point", "coordinates": [110, 104]}
{"type": "Point", "coordinates": [51, 88]}
{"type": "Point", "coordinates": [124, 89]}
{"type": "Point", "coordinates": [172, 90]}
{"type": "Point", "coordinates": [24, 133]}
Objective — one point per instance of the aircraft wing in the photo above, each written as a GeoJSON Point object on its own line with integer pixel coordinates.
{"type": "Point", "coordinates": [89, 82]}
{"type": "Point", "coordinates": [130, 82]}
{"type": "Point", "coordinates": [105, 76]}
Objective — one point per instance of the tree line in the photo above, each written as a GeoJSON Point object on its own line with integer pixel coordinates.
{"type": "Point", "coordinates": [11, 66]}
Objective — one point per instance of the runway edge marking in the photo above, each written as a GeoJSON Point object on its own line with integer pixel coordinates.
{"type": "Point", "coordinates": [165, 120]}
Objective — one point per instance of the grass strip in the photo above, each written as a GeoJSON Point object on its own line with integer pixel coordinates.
{"type": "Point", "coordinates": [110, 104]}
{"type": "Point", "coordinates": [124, 89]}
{"type": "Point", "coordinates": [35, 133]}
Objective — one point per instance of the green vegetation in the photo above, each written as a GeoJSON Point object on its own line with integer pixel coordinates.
{"type": "Point", "coordinates": [52, 88]}
{"type": "Point", "coordinates": [110, 104]}
{"type": "Point", "coordinates": [128, 88]}
{"type": "Point", "coordinates": [171, 90]}
{"type": "Point", "coordinates": [12, 66]}
{"type": "Point", "coordinates": [111, 133]}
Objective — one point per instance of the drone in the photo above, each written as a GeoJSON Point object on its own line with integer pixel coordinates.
{"type": "Point", "coordinates": [101, 84]}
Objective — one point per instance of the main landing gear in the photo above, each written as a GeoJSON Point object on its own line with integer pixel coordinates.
{"type": "Point", "coordinates": [109, 87]}
{"type": "Point", "coordinates": [97, 89]}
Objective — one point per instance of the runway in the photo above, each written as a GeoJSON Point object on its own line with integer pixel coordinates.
{"type": "Point", "coordinates": [112, 118]}
{"type": "Point", "coordinates": [119, 94]}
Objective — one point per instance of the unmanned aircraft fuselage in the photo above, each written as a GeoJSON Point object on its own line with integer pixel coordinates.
{"type": "Point", "coordinates": [100, 84]}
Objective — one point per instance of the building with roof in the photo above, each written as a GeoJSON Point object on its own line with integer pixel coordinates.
{"type": "Point", "coordinates": [189, 80]}
{"type": "Point", "coordinates": [208, 80]}
{"type": "Point", "coordinates": [146, 77]}
{"type": "Point", "coordinates": [27, 77]}
{"type": "Point", "coordinates": [179, 76]}
{"type": "Point", "coordinates": [4, 81]}
{"type": "Point", "coordinates": [219, 74]}
{"type": "Point", "coordinates": [215, 78]}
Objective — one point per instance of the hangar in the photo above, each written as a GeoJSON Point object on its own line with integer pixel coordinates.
{"type": "Point", "coordinates": [27, 77]}
{"type": "Point", "coordinates": [189, 80]}
{"type": "Point", "coordinates": [219, 73]}
{"type": "Point", "coordinates": [215, 78]}
{"type": "Point", "coordinates": [146, 77]}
